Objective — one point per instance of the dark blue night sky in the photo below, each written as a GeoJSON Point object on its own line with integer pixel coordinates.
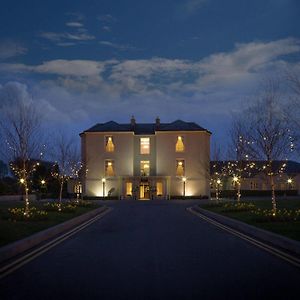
{"type": "Point", "coordinates": [84, 62]}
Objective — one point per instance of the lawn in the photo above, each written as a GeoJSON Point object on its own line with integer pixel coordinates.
{"type": "Point", "coordinates": [11, 231]}
{"type": "Point", "coordinates": [289, 229]}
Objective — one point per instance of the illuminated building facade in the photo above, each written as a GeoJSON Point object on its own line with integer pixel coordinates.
{"type": "Point", "coordinates": [146, 161]}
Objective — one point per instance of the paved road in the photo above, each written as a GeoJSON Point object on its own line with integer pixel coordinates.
{"type": "Point", "coordinates": [153, 250]}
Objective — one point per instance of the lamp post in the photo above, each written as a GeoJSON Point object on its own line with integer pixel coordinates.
{"type": "Point", "coordinates": [237, 187]}
{"type": "Point", "coordinates": [103, 186]}
{"type": "Point", "coordinates": [290, 181]}
{"type": "Point", "coordinates": [183, 181]}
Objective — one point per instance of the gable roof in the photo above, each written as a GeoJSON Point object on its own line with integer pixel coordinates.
{"type": "Point", "coordinates": [146, 128]}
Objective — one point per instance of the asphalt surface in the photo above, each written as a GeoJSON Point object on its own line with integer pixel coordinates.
{"type": "Point", "coordinates": [153, 250]}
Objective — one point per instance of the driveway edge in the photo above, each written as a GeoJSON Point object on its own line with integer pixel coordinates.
{"type": "Point", "coordinates": [268, 237]}
{"type": "Point", "coordinates": [9, 251]}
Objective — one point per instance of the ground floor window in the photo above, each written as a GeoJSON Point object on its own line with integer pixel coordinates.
{"type": "Point", "coordinates": [129, 188]}
{"type": "Point", "coordinates": [159, 188]}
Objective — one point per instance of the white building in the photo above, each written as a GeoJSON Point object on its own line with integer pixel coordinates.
{"type": "Point", "coordinates": [146, 161]}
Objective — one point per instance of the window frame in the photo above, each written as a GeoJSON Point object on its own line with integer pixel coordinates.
{"type": "Point", "coordinates": [149, 144]}
{"type": "Point", "coordinates": [184, 166]}
{"type": "Point", "coordinates": [106, 137]}
{"type": "Point", "coordinates": [106, 161]}
{"type": "Point", "coordinates": [183, 142]}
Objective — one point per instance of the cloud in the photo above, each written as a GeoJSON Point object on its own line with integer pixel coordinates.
{"type": "Point", "coordinates": [207, 90]}
{"type": "Point", "coordinates": [107, 18]}
{"type": "Point", "coordinates": [74, 24]}
{"type": "Point", "coordinates": [236, 70]}
{"type": "Point", "coordinates": [12, 93]}
{"type": "Point", "coordinates": [188, 8]}
{"type": "Point", "coordinates": [10, 49]}
{"type": "Point", "coordinates": [106, 28]}
{"type": "Point", "coordinates": [57, 37]}
{"type": "Point", "coordinates": [117, 46]}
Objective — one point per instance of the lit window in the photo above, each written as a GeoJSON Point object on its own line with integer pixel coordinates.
{"type": "Point", "coordinates": [109, 168]}
{"type": "Point", "coordinates": [129, 188]}
{"type": "Point", "coordinates": [179, 167]}
{"type": "Point", "coordinates": [179, 144]}
{"type": "Point", "coordinates": [145, 145]}
{"type": "Point", "coordinates": [109, 144]}
{"type": "Point", "coordinates": [159, 188]}
{"type": "Point", "coordinates": [145, 168]}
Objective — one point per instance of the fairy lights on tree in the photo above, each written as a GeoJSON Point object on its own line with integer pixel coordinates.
{"type": "Point", "coordinates": [21, 131]}
{"type": "Point", "coordinates": [67, 162]}
{"type": "Point", "coordinates": [268, 134]}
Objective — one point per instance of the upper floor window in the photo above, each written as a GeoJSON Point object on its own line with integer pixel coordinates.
{"type": "Point", "coordinates": [145, 167]}
{"type": "Point", "coordinates": [180, 167]}
{"type": "Point", "coordinates": [109, 168]}
{"type": "Point", "coordinates": [179, 144]}
{"type": "Point", "coordinates": [109, 144]}
{"type": "Point", "coordinates": [145, 145]}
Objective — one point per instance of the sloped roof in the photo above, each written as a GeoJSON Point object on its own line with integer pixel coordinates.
{"type": "Point", "coordinates": [146, 128]}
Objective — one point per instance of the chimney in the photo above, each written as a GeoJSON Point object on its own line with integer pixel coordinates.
{"type": "Point", "coordinates": [132, 121]}
{"type": "Point", "coordinates": [157, 122]}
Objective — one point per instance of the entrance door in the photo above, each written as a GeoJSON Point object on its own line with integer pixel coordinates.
{"type": "Point", "coordinates": [144, 191]}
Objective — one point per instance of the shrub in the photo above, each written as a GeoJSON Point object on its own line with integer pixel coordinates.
{"type": "Point", "coordinates": [18, 214]}
{"type": "Point", "coordinates": [282, 215]}
{"type": "Point", "coordinates": [82, 203]}
{"type": "Point", "coordinates": [63, 207]}
{"type": "Point", "coordinates": [237, 207]}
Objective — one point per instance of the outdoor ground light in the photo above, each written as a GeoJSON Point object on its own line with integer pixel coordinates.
{"type": "Point", "coordinates": [183, 180]}
{"type": "Point", "coordinates": [103, 186]}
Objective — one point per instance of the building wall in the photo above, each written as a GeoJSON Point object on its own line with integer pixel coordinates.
{"type": "Point", "coordinates": [162, 159]}
{"type": "Point", "coordinates": [196, 158]}
{"type": "Point", "coordinates": [96, 156]}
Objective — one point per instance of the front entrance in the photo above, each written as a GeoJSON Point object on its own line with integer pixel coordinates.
{"type": "Point", "coordinates": [144, 191]}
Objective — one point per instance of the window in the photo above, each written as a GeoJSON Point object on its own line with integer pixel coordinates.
{"type": "Point", "coordinates": [145, 168]}
{"type": "Point", "coordinates": [109, 144]}
{"type": "Point", "coordinates": [180, 167]}
{"type": "Point", "coordinates": [179, 144]}
{"type": "Point", "coordinates": [159, 188]}
{"type": "Point", "coordinates": [129, 188]}
{"type": "Point", "coordinates": [145, 145]}
{"type": "Point", "coordinates": [109, 168]}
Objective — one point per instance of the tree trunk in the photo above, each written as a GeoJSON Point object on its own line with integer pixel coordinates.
{"type": "Point", "coordinates": [60, 194]}
{"type": "Point", "coordinates": [217, 193]}
{"type": "Point", "coordinates": [26, 198]}
{"type": "Point", "coordinates": [274, 207]}
{"type": "Point", "coordinates": [238, 194]}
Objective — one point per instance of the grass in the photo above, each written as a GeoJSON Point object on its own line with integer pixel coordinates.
{"type": "Point", "coordinates": [11, 231]}
{"type": "Point", "coordinates": [289, 229]}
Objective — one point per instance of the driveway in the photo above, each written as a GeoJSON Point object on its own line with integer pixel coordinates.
{"type": "Point", "coordinates": [153, 250]}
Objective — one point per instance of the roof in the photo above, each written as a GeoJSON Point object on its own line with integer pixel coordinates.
{"type": "Point", "coordinates": [146, 128]}
{"type": "Point", "coordinates": [292, 167]}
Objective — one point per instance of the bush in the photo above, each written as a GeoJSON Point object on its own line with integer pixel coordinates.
{"type": "Point", "coordinates": [237, 207]}
{"type": "Point", "coordinates": [282, 215]}
{"type": "Point", "coordinates": [63, 207]}
{"type": "Point", "coordinates": [82, 203]}
{"type": "Point", "coordinates": [18, 214]}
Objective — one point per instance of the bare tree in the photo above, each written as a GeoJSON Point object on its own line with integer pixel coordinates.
{"type": "Point", "coordinates": [21, 133]}
{"type": "Point", "coordinates": [217, 171]}
{"type": "Point", "coordinates": [67, 161]}
{"type": "Point", "coordinates": [239, 167]}
{"type": "Point", "coordinates": [268, 134]}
